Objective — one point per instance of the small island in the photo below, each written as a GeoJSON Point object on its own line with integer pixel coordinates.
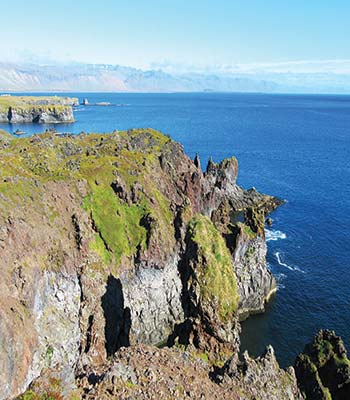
{"type": "Point", "coordinates": [37, 109]}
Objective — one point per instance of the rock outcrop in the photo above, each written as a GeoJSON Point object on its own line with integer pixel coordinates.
{"type": "Point", "coordinates": [261, 378]}
{"type": "Point", "coordinates": [120, 240]}
{"type": "Point", "coordinates": [30, 109]}
{"type": "Point", "coordinates": [323, 369]}
{"type": "Point", "coordinates": [146, 372]}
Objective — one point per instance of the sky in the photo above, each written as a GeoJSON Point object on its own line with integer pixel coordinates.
{"type": "Point", "coordinates": [178, 33]}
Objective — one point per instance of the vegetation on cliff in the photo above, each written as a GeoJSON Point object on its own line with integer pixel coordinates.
{"type": "Point", "coordinates": [123, 193]}
{"type": "Point", "coordinates": [214, 271]}
{"type": "Point", "coordinates": [36, 108]}
{"type": "Point", "coordinates": [323, 369]}
{"type": "Point", "coordinates": [125, 254]}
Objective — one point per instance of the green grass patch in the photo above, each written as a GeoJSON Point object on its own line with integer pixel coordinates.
{"type": "Point", "coordinates": [117, 223]}
{"type": "Point", "coordinates": [216, 276]}
{"type": "Point", "coordinates": [98, 246]}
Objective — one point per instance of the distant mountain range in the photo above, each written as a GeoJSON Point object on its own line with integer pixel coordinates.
{"type": "Point", "coordinates": [115, 78]}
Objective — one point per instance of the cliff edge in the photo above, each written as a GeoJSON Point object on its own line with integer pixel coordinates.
{"type": "Point", "coordinates": [118, 250]}
{"type": "Point", "coordinates": [37, 109]}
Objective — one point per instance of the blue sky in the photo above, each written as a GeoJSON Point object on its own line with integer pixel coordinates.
{"type": "Point", "coordinates": [151, 33]}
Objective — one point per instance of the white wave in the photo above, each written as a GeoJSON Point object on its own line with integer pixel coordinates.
{"type": "Point", "coordinates": [299, 269]}
{"type": "Point", "coordinates": [283, 264]}
{"type": "Point", "coordinates": [271, 235]}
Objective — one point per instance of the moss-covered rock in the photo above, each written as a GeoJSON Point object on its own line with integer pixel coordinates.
{"type": "Point", "coordinates": [212, 268]}
{"type": "Point", "coordinates": [96, 240]}
{"type": "Point", "coordinates": [323, 369]}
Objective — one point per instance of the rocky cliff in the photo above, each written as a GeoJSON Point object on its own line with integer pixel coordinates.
{"type": "Point", "coordinates": [323, 369]}
{"type": "Point", "coordinates": [113, 246]}
{"type": "Point", "coordinates": [36, 109]}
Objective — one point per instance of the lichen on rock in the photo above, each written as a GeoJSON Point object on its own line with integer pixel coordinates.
{"type": "Point", "coordinates": [323, 369]}
{"type": "Point", "coordinates": [114, 240]}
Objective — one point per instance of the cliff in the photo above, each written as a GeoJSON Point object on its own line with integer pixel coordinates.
{"type": "Point", "coordinates": [36, 109]}
{"type": "Point", "coordinates": [113, 246]}
{"type": "Point", "coordinates": [323, 369]}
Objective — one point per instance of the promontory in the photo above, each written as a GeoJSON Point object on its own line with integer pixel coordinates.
{"type": "Point", "coordinates": [125, 272]}
{"type": "Point", "coordinates": [36, 109]}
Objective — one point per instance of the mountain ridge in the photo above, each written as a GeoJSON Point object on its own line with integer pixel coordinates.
{"type": "Point", "coordinates": [79, 77]}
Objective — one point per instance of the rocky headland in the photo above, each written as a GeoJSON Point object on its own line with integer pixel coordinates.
{"type": "Point", "coordinates": [126, 270]}
{"type": "Point", "coordinates": [37, 109]}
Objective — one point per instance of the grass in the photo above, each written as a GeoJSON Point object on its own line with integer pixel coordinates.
{"type": "Point", "coordinates": [98, 246]}
{"type": "Point", "coordinates": [26, 103]}
{"type": "Point", "coordinates": [49, 391]}
{"type": "Point", "coordinates": [28, 164]}
{"type": "Point", "coordinates": [117, 223]}
{"type": "Point", "coordinates": [246, 229]}
{"type": "Point", "coordinates": [216, 275]}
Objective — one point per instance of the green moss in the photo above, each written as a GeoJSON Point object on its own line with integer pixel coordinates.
{"type": "Point", "coordinates": [117, 223]}
{"type": "Point", "coordinates": [247, 230]}
{"type": "Point", "coordinates": [28, 165]}
{"type": "Point", "coordinates": [216, 276]}
{"type": "Point", "coordinates": [49, 354]}
{"type": "Point", "coordinates": [129, 384]}
{"type": "Point", "coordinates": [341, 362]}
{"type": "Point", "coordinates": [26, 103]}
{"type": "Point", "coordinates": [203, 356]}
{"type": "Point", "coordinates": [163, 208]}
{"type": "Point", "coordinates": [98, 246]}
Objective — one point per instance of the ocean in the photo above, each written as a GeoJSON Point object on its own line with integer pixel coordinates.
{"type": "Point", "coordinates": [296, 147]}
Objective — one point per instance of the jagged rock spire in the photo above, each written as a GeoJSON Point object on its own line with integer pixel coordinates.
{"type": "Point", "coordinates": [210, 164]}
{"type": "Point", "coordinates": [197, 161]}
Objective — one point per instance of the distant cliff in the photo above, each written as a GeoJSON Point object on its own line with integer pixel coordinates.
{"type": "Point", "coordinates": [36, 109]}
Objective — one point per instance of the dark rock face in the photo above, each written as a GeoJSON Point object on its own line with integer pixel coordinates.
{"type": "Point", "coordinates": [134, 244]}
{"type": "Point", "coordinates": [323, 369]}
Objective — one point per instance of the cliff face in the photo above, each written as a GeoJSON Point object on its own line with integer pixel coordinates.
{"type": "Point", "coordinates": [323, 369]}
{"type": "Point", "coordinates": [40, 115]}
{"type": "Point", "coordinates": [121, 240]}
{"type": "Point", "coordinates": [30, 109]}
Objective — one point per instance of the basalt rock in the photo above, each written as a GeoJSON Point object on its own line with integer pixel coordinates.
{"type": "Point", "coordinates": [37, 109]}
{"type": "Point", "coordinates": [261, 378]}
{"type": "Point", "coordinates": [145, 372]}
{"type": "Point", "coordinates": [40, 115]}
{"type": "Point", "coordinates": [120, 240]}
{"type": "Point", "coordinates": [323, 369]}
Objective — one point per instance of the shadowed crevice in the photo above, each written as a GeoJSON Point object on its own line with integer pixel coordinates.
{"type": "Point", "coordinates": [117, 318]}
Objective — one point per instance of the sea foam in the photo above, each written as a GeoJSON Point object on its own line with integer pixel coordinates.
{"type": "Point", "coordinates": [274, 235]}
{"type": "Point", "coordinates": [283, 264]}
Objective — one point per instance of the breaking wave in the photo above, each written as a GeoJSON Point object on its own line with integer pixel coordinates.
{"type": "Point", "coordinates": [274, 235]}
{"type": "Point", "coordinates": [283, 264]}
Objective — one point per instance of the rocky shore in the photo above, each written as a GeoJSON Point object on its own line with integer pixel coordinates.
{"type": "Point", "coordinates": [126, 270]}
{"type": "Point", "coordinates": [37, 109]}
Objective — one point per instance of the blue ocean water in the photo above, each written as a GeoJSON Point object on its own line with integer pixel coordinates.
{"type": "Point", "coordinates": [293, 146]}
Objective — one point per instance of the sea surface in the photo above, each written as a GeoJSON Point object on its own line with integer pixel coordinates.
{"type": "Point", "coordinates": [296, 147]}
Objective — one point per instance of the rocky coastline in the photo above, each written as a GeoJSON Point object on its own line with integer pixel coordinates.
{"type": "Point", "coordinates": [37, 109]}
{"type": "Point", "coordinates": [126, 270]}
